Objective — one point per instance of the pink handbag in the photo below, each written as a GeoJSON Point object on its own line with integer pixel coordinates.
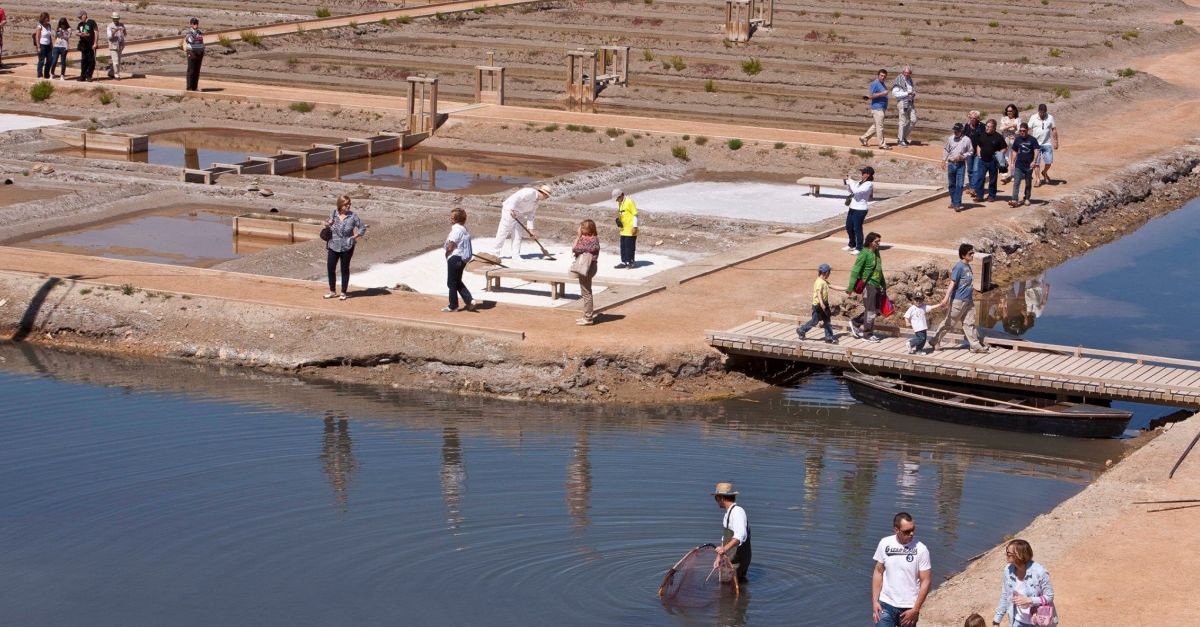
{"type": "Point", "coordinates": [1044, 614]}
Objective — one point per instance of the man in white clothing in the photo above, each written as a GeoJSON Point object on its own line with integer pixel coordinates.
{"type": "Point", "coordinates": [902, 576]}
{"type": "Point", "coordinates": [520, 206]}
{"type": "Point", "coordinates": [116, 46]}
{"type": "Point", "coordinates": [905, 95]}
{"type": "Point", "coordinates": [735, 539]}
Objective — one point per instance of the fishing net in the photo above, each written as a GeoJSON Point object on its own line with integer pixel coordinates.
{"type": "Point", "coordinates": [699, 578]}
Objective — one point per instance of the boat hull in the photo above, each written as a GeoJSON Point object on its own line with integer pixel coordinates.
{"type": "Point", "coordinates": [1071, 419]}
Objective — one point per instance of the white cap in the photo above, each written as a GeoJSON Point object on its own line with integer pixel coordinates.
{"type": "Point", "coordinates": [617, 193]}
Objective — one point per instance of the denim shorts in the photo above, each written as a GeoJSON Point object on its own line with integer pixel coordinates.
{"type": "Point", "coordinates": [1047, 156]}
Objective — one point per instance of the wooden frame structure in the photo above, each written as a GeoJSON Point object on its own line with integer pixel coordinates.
{"type": "Point", "coordinates": [589, 72]}
{"type": "Point", "coordinates": [743, 17]}
{"type": "Point", "coordinates": [422, 104]}
{"type": "Point", "coordinates": [489, 84]}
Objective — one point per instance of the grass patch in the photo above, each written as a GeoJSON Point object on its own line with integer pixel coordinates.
{"type": "Point", "coordinates": [751, 66]}
{"type": "Point", "coordinates": [614, 132]}
{"type": "Point", "coordinates": [1179, 22]}
{"type": "Point", "coordinates": [1126, 73]}
{"type": "Point", "coordinates": [550, 128]}
{"type": "Point", "coordinates": [128, 289]}
{"type": "Point", "coordinates": [142, 4]}
{"type": "Point", "coordinates": [993, 24]}
{"type": "Point", "coordinates": [686, 137]}
{"type": "Point", "coordinates": [907, 32]}
{"type": "Point", "coordinates": [629, 142]}
{"type": "Point", "coordinates": [647, 54]}
{"type": "Point", "coordinates": [292, 61]}
{"type": "Point", "coordinates": [701, 140]}
{"type": "Point", "coordinates": [735, 144]}
{"type": "Point", "coordinates": [353, 25]}
{"type": "Point", "coordinates": [862, 153]}
{"type": "Point", "coordinates": [85, 291]}
{"type": "Point", "coordinates": [404, 19]}
{"type": "Point", "coordinates": [302, 107]}
{"type": "Point", "coordinates": [479, 10]}
{"type": "Point", "coordinates": [678, 64]}
{"type": "Point", "coordinates": [106, 97]}
{"type": "Point", "coordinates": [576, 128]}
{"type": "Point", "coordinates": [710, 86]}
{"type": "Point", "coordinates": [251, 37]}
{"type": "Point", "coordinates": [679, 151]}
{"type": "Point", "coordinates": [225, 41]}
{"type": "Point", "coordinates": [41, 90]}
{"type": "Point", "coordinates": [323, 12]}
{"type": "Point", "coordinates": [827, 152]}
{"type": "Point", "coordinates": [1129, 35]}
{"type": "Point", "coordinates": [1056, 52]}
{"type": "Point", "coordinates": [1062, 92]}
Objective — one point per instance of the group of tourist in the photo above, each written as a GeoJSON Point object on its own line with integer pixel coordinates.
{"type": "Point", "coordinates": [52, 41]}
{"type": "Point", "coordinates": [976, 152]}
{"type": "Point", "coordinates": [518, 212]}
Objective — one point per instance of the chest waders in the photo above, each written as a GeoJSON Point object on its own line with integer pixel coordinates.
{"type": "Point", "coordinates": [739, 555]}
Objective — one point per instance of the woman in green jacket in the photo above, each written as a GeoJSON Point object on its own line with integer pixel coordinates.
{"type": "Point", "coordinates": [868, 268]}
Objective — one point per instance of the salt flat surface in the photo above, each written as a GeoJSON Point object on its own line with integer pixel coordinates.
{"type": "Point", "coordinates": [14, 122]}
{"type": "Point", "coordinates": [769, 202]}
{"type": "Point", "coordinates": [426, 273]}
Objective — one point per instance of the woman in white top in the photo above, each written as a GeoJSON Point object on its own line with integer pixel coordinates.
{"type": "Point", "coordinates": [1009, 123]}
{"type": "Point", "coordinates": [43, 39]}
{"type": "Point", "coordinates": [860, 197]}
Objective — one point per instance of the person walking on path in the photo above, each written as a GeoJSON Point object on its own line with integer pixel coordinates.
{"type": "Point", "coordinates": [1023, 155]}
{"type": "Point", "coordinates": [973, 130]}
{"type": "Point", "coordinates": [902, 576]}
{"type": "Point", "coordinates": [193, 46]}
{"type": "Point", "coordinates": [116, 46]}
{"type": "Point", "coordinates": [860, 201]}
{"type": "Point", "coordinates": [877, 93]}
{"type": "Point", "coordinates": [989, 148]}
{"type": "Point", "coordinates": [458, 253]}
{"type": "Point", "coordinates": [627, 221]}
{"type": "Point", "coordinates": [905, 94]}
{"type": "Point", "coordinates": [62, 41]}
{"type": "Point", "coordinates": [1009, 124]}
{"type": "Point", "coordinates": [587, 253]}
{"type": "Point", "coordinates": [43, 42]}
{"type": "Point", "coordinates": [1025, 590]}
{"type": "Point", "coordinates": [87, 44]}
{"type": "Point", "coordinates": [346, 228]}
{"type": "Point", "coordinates": [868, 269]}
{"type": "Point", "coordinates": [954, 159]}
{"type": "Point", "coordinates": [821, 311]}
{"type": "Point", "coordinates": [960, 295]}
{"type": "Point", "coordinates": [735, 537]}
{"type": "Point", "coordinates": [918, 318]}
{"type": "Point", "coordinates": [1043, 130]}
{"type": "Point", "coordinates": [520, 206]}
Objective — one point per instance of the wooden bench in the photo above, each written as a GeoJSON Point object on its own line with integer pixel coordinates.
{"type": "Point", "coordinates": [815, 182]}
{"type": "Point", "coordinates": [557, 280]}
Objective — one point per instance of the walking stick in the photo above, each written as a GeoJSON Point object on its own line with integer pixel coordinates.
{"type": "Point", "coordinates": [1185, 454]}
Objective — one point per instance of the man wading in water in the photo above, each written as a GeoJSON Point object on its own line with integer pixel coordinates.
{"type": "Point", "coordinates": [735, 541]}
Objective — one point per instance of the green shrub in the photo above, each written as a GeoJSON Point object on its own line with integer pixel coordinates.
{"type": "Point", "coordinates": [1045, 2]}
{"type": "Point", "coordinates": [550, 128]}
{"type": "Point", "coordinates": [751, 66]}
{"type": "Point", "coordinates": [1129, 35]}
{"type": "Point", "coordinates": [1126, 73]}
{"type": "Point", "coordinates": [686, 137]}
{"type": "Point", "coordinates": [614, 132]}
{"type": "Point", "coordinates": [251, 37]}
{"type": "Point", "coordinates": [629, 142]}
{"type": "Point", "coordinates": [734, 144]}
{"type": "Point", "coordinates": [580, 129]}
{"type": "Point", "coordinates": [827, 152]}
{"type": "Point", "coordinates": [352, 24]}
{"type": "Point", "coordinates": [479, 10]}
{"type": "Point", "coordinates": [128, 289]}
{"type": "Point", "coordinates": [993, 24]}
{"type": "Point", "coordinates": [225, 41]}
{"type": "Point", "coordinates": [323, 12]}
{"type": "Point", "coordinates": [679, 151]}
{"type": "Point", "coordinates": [106, 97]}
{"type": "Point", "coordinates": [142, 4]}
{"type": "Point", "coordinates": [647, 54]}
{"type": "Point", "coordinates": [780, 145]}
{"type": "Point", "coordinates": [906, 32]}
{"type": "Point", "coordinates": [1179, 22]}
{"type": "Point", "coordinates": [1056, 52]}
{"type": "Point", "coordinates": [292, 61]}
{"type": "Point", "coordinates": [701, 140]}
{"type": "Point", "coordinates": [1062, 92]}
{"type": "Point", "coordinates": [404, 19]}
{"type": "Point", "coordinates": [863, 154]}
{"type": "Point", "coordinates": [678, 64]}
{"type": "Point", "coordinates": [710, 86]}
{"type": "Point", "coordinates": [41, 90]}
{"type": "Point", "coordinates": [302, 107]}
{"type": "Point", "coordinates": [837, 14]}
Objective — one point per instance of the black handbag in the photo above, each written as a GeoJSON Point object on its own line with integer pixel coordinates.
{"type": "Point", "coordinates": [326, 234]}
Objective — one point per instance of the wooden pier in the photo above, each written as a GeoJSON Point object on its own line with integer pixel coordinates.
{"type": "Point", "coordinates": [1034, 367]}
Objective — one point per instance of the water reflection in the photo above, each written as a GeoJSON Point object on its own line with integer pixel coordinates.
{"type": "Point", "coordinates": [1016, 308]}
{"type": "Point", "coordinates": [454, 478]}
{"type": "Point", "coordinates": [337, 457]}
{"type": "Point", "coordinates": [579, 481]}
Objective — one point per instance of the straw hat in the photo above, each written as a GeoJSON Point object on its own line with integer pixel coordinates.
{"type": "Point", "coordinates": [544, 190]}
{"type": "Point", "coordinates": [116, 16]}
{"type": "Point", "coordinates": [724, 489]}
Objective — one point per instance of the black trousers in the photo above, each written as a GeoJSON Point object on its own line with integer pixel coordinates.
{"type": "Point", "coordinates": [194, 60]}
{"type": "Point", "coordinates": [454, 271]}
{"type": "Point", "coordinates": [628, 248]}
{"type": "Point", "coordinates": [87, 62]}
{"type": "Point", "coordinates": [332, 260]}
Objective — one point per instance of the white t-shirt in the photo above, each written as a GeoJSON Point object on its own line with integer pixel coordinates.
{"type": "Point", "coordinates": [916, 317]}
{"type": "Point", "coordinates": [902, 564]}
{"type": "Point", "coordinates": [735, 521]}
{"type": "Point", "coordinates": [462, 242]}
{"type": "Point", "coordinates": [1039, 129]}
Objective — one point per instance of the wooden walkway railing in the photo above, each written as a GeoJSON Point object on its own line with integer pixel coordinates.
{"type": "Point", "coordinates": [1031, 366]}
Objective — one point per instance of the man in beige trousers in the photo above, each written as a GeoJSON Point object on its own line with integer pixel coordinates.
{"type": "Point", "coordinates": [961, 296]}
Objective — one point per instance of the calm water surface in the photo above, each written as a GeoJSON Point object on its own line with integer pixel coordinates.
{"type": "Point", "coordinates": [148, 493]}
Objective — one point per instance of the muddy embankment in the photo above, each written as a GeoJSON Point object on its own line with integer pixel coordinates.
{"type": "Point", "coordinates": [64, 312]}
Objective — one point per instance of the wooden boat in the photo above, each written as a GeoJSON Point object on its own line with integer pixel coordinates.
{"type": "Point", "coordinates": [1008, 411]}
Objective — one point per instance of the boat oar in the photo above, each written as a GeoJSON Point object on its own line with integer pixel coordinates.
{"type": "Point", "coordinates": [545, 253]}
{"type": "Point", "coordinates": [1185, 454]}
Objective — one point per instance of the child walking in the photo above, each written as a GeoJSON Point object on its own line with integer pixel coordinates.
{"type": "Point", "coordinates": [458, 253]}
{"type": "Point", "coordinates": [917, 317]}
{"type": "Point", "coordinates": [820, 305]}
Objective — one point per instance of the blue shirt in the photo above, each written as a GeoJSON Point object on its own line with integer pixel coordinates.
{"type": "Point", "coordinates": [964, 282]}
{"type": "Point", "coordinates": [880, 102]}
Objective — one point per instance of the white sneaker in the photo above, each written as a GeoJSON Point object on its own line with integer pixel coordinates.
{"type": "Point", "coordinates": [855, 331]}
{"type": "Point", "coordinates": [854, 251]}
{"type": "Point", "coordinates": [912, 350]}
{"type": "Point", "coordinates": [847, 248]}
{"type": "Point", "coordinates": [874, 338]}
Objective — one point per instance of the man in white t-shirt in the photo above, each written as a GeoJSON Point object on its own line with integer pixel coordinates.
{"type": "Point", "coordinates": [1043, 130]}
{"type": "Point", "coordinates": [902, 576]}
{"type": "Point", "coordinates": [735, 539]}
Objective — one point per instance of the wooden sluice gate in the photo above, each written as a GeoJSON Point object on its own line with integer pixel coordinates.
{"type": "Point", "coordinates": [1015, 364]}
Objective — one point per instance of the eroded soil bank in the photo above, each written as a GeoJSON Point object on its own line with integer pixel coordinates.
{"type": "Point", "coordinates": [370, 349]}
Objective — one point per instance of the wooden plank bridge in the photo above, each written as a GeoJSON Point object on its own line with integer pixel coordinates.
{"type": "Point", "coordinates": [1029, 366]}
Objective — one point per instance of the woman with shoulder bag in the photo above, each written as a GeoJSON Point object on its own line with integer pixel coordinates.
{"type": "Point", "coordinates": [858, 200]}
{"type": "Point", "coordinates": [345, 228]}
{"type": "Point", "coordinates": [1025, 592]}
{"type": "Point", "coordinates": [587, 253]}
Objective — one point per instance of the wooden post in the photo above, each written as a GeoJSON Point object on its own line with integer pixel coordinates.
{"type": "Point", "coordinates": [489, 84]}
{"type": "Point", "coordinates": [737, 19]}
{"type": "Point", "coordinates": [422, 104]}
{"type": "Point", "coordinates": [581, 80]}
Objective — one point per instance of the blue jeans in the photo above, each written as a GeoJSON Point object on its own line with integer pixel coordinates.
{"type": "Point", "coordinates": [628, 248]}
{"type": "Point", "coordinates": [972, 171]}
{"type": "Point", "coordinates": [1021, 174]}
{"type": "Point", "coordinates": [454, 271]}
{"type": "Point", "coordinates": [45, 64]}
{"type": "Point", "coordinates": [60, 56]}
{"type": "Point", "coordinates": [918, 340]}
{"type": "Point", "coordinates": [890, 616]}
{"type": "Point", "coordinates": [854, 227]}
{"type": "Point", "coordinates": [818, 315]}
{"type": "Point", "coordinates": [987, 169]}
{"type": "Point", "coordinates": [954, 181]}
